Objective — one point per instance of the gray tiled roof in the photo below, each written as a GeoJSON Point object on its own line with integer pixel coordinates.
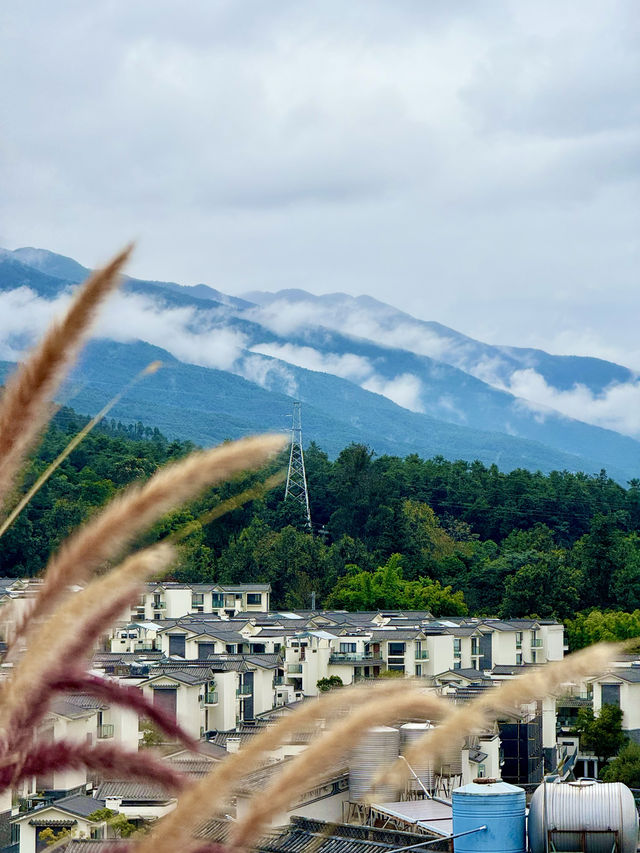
{"type": "Point", "coordinates": [133, 791]}
{"type": "Point", "coordinates": [626, 673]}
{"type": "Point", "coordinates": [76, 804]}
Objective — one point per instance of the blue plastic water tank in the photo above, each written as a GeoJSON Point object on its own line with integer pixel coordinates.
{"type": "Point", "coordinates": [498, 806]}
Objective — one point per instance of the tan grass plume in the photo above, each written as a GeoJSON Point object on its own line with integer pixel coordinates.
{"type": "Point", "coordinates": [533, 685]}
{"type": "Point", "coordinates": [25, 402]}
{"type": "Point", "coordinates": [73, 630]}
{"type": "Point", "coordinates": [211, 795]}
{"type": "Point", "coordinates": [109, 532]}
{"type": "Point", "coordinates": [322, 754]}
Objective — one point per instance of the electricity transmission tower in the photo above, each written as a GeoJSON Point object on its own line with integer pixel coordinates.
{"type": "Point", "coordinates": [296, 487]}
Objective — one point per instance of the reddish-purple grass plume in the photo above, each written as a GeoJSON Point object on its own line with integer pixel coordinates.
{"type": "Point", "coordinates": [113, 761]}
{"type": "Point", "coordinates": [126, 697]}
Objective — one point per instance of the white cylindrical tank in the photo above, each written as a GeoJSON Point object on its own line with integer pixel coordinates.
{"type": "Point", "coordinates": [583, 816]}
{"type": "Point", "coordinates": [378, 748]}
{"type": "Point", "coordinates": [409, 734]}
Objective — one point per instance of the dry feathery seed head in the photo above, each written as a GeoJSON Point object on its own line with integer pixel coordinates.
{"type": "Point", "coordinates": [317, 759]}
{"type": "Point", "coordinates": [125, 697]}
{"type": "Point", "coordinates": [25, 403]}
{"type": "Point", "coordinates": [211, 795]}
{"type": "Point", "coordinates": [137, 508]}
{"type": "Point", "coordinates": [73, 630]}
{"type": "Point", "coordinates": [113, 761]}
{"type": "Point", "coordinates": [533, 685]}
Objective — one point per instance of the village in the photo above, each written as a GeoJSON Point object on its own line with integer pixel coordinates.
{"type": "Point", "coordinates": [225, 665]}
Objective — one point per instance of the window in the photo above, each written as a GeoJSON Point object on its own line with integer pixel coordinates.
{"type": "Point", "coordinates": [482, 770]}
{"type": "Point", "coordinates": [457, 664]}
{"type": "Point", "coordinates": [177, 644]}
{"type": "Point", "coordinates": [197, 599]}
{"type": "Point", "coordinates": [217, 599]}
{"type": "Point", "coordinates": [254, 598]}
{"type": "Point", "coordinates": [534, 656]}
{"type": "Point", "coordinates": [457, 647]}
{"type": "Point", "coordinates": [347, 648]}
{"type": "Point", "coordinates": [474, 645]}
{"type": "Point", "coordinates": [518, 639]}
{"type": "Point", "coordinates": [519, 659]}
{"type": "Point", "coordinates": [419, 670]}
{"type": "Point", "coordinates": [396, 648]}
{"type": "Point", "coordinates": [610, 694]}
{"type": "Point", "coordinates": [205, 649]}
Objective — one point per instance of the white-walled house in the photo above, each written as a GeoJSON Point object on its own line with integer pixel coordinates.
{"type": "Point", "coordinates": [68, 813]}
{"type": "Point", "coordinates": [169, 600]}
{"type": "Point", "coordinates": [621, 687]}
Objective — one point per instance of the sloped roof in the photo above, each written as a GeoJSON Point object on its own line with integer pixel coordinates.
{"type": "Point", "coordinates": [78, 805]}
{"type": "Point", "coordinates": [64, 707]}
{"type": "Point", "coordinates": [133, 791]}
{"type": "Point", "coordinates": [626, 673]}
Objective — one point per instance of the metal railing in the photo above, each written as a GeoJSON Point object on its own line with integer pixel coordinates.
{"type": "Point", "coordinates": [351, 657]}
{"type": "Point", "coordinates": [211, 697]}
{"type": "Point", "coordinates": [106, 731]}
{"type": "Point", "coordinates": [536, 643]}
{"type": "Point", "coordinates": [244, 690]}
{"type": "Point", "coordinates": [295, 667]}
{"type": "Point", "coordinates": [422, 654]}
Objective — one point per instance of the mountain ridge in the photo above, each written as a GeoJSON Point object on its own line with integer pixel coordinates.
{"type": "Point", "coordinates": [350, 368]}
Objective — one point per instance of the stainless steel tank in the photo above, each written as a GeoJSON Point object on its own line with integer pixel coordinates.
{"type": "Point", "coordinates": [409, 734]}
{"type": "Point", "coordinates": [583, 816]}
{"type": "Point", "coordinates": [379, 747]}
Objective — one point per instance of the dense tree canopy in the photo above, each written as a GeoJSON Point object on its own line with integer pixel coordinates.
{"type": "Point", "coordinates": [449, 537]}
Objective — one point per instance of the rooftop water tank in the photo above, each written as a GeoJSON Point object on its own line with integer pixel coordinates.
{"type": "Point", "coordinates": [379, 747]}
{"type": "Point", "coordinates": [409, 734]}
{"type": "Point", "coordinates": [497, 805]}
{"type": "Point", "coordinates": [594, 817]}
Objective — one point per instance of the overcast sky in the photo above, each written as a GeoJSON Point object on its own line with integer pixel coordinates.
{"type": "Point", "coordinates": [473, 162]}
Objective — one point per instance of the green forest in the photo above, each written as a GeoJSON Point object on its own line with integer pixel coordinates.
{"type": "Point", "coordinates": [454, 538]}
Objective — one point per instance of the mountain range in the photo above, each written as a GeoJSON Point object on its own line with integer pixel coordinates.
{"type": "Point", "coordinates": [364, 371]}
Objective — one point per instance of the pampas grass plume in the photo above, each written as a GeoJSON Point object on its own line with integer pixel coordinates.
{"type": "Point", "coordinates": [24, 406]}
{"type": "Point", "coordinates": [140, 506]}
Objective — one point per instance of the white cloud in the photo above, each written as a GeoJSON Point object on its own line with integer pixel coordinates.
{"type": "Point", "coordinates": [126, 317]}
{"type": "Point", "coordinates": [23, 318]}
{"type": "Point", "coordinates": [269, 374]}
{"type": "Point", "coordinates": [405, 390]}
{"type": "Point", "coordinates": [347, 366]}
{"type": "Point", "coordinates": [617, 408]}
{"type": "Point", "coordinates": [472, 162]}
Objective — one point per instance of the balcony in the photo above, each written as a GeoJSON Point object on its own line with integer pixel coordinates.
{"type": "Point", "coordinates": [536, 643]}
{"type": "Point", "coordinates": [278, 680]}
{"type": "Point", "coordinates": [294, 668]}
{"type": "Point", "coordinates": [211, 697]}
{"type": "Point", "coordinates": [160, 605]}
{"type": "Point", "coordinates": [244, 690]}
{"type": "Point", "coordinates": [422, 655]}
{"type": "Point", "coordinates": [580, 700]}
{"type": "Point", "coordinates": [105, 731]}
{"type": "Point", "coordinates": [351, 657]}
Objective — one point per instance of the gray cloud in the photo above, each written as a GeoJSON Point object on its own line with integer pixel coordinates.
{"type": "Point", "coordinates": [473, 163]}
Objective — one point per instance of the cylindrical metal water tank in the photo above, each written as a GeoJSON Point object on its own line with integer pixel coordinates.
{"type": "Point", "coordinates": [497, 805]}
{"type": "Point", "coordinates": [584, 815]}
{"type": "Point", "coordinates": [409, 734]}
{"type": "Point", "coordinates": [378, 748]}
{"type": "Point", "coordinates": [451, 762]}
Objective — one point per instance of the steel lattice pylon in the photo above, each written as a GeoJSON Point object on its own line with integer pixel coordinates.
{"type": "Point", "coordinates": [296, 487]}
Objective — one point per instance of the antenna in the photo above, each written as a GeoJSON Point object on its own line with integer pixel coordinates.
{"type": "Point", "coordinates": [296, 487]}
